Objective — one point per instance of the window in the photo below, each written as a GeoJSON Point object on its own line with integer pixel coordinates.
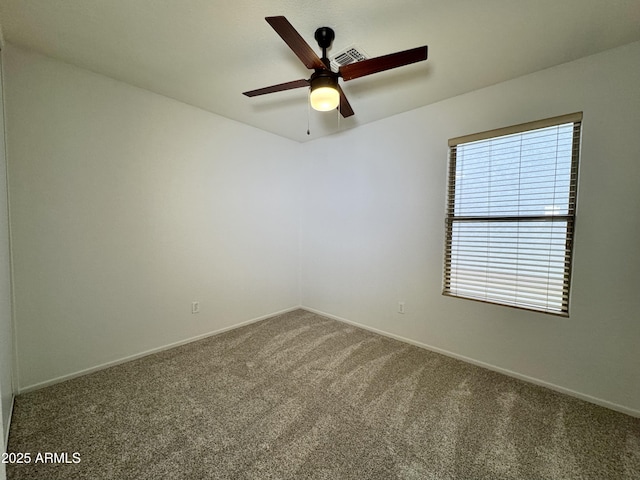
{"type": "Point", "coordinates": [511, 214]}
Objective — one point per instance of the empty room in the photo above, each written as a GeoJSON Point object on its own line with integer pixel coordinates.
{"type": "Point", "coordinates": [324, 240]}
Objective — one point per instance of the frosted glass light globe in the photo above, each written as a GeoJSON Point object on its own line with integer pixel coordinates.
{"type": "Point", "coordinates": [324, 99]}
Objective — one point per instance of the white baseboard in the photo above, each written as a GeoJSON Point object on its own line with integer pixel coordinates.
{"type": "Point", "coordinates": [582, 396]}
{"type": "Point", "coordinates": [8, 423]}
{"type": "Point", "coordinates": [86, 371]}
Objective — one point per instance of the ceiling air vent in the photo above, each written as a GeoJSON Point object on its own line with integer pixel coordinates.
{"type": "Point", "coordinates": [349, 55]}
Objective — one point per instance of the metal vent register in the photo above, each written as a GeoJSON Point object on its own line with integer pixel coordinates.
{"type": "Point", "coordinates": [351, 54]}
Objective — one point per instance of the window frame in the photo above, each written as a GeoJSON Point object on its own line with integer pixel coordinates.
{"type": "Point", "coordinates": [570, 217]}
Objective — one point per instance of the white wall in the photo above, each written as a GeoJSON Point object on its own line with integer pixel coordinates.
{"type": "Point", "coordinates": [127, 206]}
{"type": "Point", "coordinates": [6, 335]}
{"type": "Point", "coordinates": [373, 231]}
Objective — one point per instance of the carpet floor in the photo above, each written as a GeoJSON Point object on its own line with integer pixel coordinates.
{"type": "Point", "coordinates": [300, 396]}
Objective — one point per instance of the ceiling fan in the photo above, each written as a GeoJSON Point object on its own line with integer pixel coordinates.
{"type": "Point", "coordinates": [326, 93]}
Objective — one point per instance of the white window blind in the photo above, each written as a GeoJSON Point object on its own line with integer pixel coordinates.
{"type": "Point", "coordinates": [511, 214]}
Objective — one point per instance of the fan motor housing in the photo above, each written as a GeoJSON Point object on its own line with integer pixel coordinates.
{"type": "Point", "coordinates": [323, 78]}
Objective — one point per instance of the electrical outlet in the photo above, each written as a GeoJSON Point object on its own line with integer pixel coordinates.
{"type": "Point", "coordinates": [400, 307]}
{"type": "Point", "coordinates": [195, 307]}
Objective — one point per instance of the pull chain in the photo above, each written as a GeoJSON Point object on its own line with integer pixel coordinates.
{"type": "Point", "coordinates": [309, 113]}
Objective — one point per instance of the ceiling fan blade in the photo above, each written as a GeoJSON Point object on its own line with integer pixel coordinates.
{"type": "Point", "coordinates": [296, 43]}
{"type": "Point", "coordinates": [385, 62]}
{"type": "Point", "coordinates": [344, 106]}
{"type": "Point", "coordinates": [277, 88]}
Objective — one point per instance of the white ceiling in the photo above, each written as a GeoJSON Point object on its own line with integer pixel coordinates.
{"type": "Point", "coordinates": [205, 53]}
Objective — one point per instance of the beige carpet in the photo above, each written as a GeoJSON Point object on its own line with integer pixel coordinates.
{"type": "Point", "coordinates": [301, 396]}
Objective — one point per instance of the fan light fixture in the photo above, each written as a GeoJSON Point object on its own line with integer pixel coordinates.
{"type": "Point", "coordinates": [324, 94]}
